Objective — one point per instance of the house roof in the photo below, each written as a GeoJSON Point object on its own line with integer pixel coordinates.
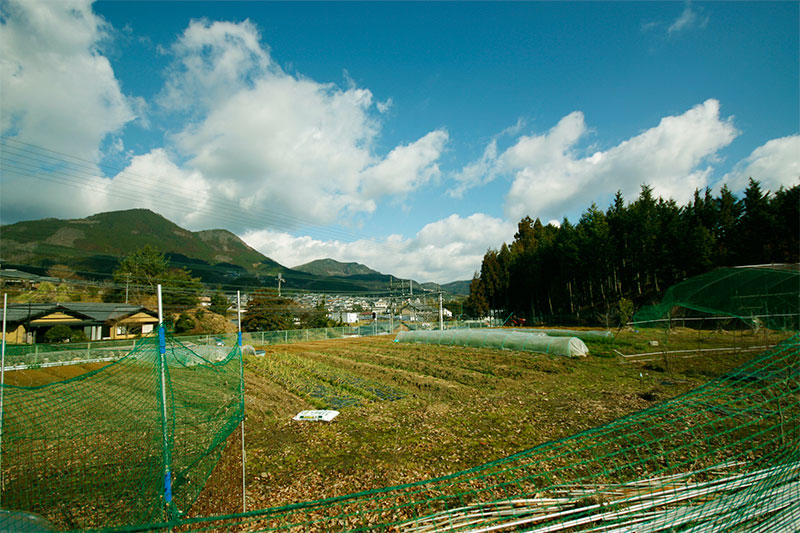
{"type": "Point", "coordinates": [13, 274]}
{"type": "Point", "coordinates": [89, 311]}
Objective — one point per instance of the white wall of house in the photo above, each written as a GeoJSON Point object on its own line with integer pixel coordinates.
{"type": "Point", "coordinates": [343, 316]}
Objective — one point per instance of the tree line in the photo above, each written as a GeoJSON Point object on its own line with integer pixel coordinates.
{"type": "Point", "coordinates": [596, 270]}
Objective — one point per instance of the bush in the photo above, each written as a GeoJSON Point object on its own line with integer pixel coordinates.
{"type": "Point", "coordinates": [59, 333]}
{"type": "Point", "coordinates": [624, 311]}
{"type": "Point", "coordinates": [184, 323]}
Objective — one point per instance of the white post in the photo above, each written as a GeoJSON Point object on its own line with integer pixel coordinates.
{"type": "Point", "coordinates": [162, 349]}
{"type": "Point", "coordinates": [239, 310]}
{"type": "Point", "coordinates": [160, 310]}
{"type": "Point", "coordinates": [241, 391]}
{"type": "Point", "coordinates": [441, 315]}
{"type": "Point", "coordinates": [2, 389]}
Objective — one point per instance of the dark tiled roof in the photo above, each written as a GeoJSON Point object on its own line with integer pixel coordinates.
{"type": "Point", "coordinates": [91, 311]}
{"type": "Point", "coordinates": [13, 274]}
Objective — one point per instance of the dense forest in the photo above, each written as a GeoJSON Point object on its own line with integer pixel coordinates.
{"type": "Point", "coordinates": [629, 254]}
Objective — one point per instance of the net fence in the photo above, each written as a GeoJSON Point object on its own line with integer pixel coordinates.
{"type": "Point", "coordinates": [123, 444]}
{"type": "Point", "coordinates": [759, 296]}
{"type": "Point", "coordinates": [724, 457]}
{"type": "Point", "coordinates": [129, 447]}
{"type": "Point", "coordinates": [42, 355]}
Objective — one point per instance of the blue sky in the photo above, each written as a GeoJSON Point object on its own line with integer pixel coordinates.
{"type": "Point", "coordinates": [410, 137]}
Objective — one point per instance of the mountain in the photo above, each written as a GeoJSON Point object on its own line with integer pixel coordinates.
{"type": "Point", "coordinates": [93, 246]}
{"type": "Point", "coordinates": [331, 267]}
{"type": "Point", "coordinates": [459, 288]}
{"type": "Point", "coordinates": [362, 274]}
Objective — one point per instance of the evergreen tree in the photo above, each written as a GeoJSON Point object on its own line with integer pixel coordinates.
{"type": "Point", "coordinates": [476, 304]}
{"type": "Point", "coordinates": [755, 226]}
{"type": "Point", "coordinates": [266, 311]}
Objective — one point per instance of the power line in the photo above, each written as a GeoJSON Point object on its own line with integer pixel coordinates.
{"type": "Point", "coordinates": [31, 161]}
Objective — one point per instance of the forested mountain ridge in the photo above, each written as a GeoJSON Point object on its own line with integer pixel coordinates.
{"type": "Point", "coordinates": [633, 251]}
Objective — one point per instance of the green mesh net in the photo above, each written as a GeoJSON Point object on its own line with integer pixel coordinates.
{"type": "Point", "coordinates": [96, 450]}
{"type": "Point", "coordinates": [768, 296]}
{"type": "Point", "coordinates": [724, 457]}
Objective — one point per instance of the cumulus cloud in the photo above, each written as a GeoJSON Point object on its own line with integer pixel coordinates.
{"type": "Point", "coordinates": [58, 90]}
{"type": "Point", "coordinates": [155, 182]}
{"type": "Point", "coordinates": [551, 175]}
{"type": "Point", "coordinates": [774, 164]}
{"type": "Point", "coordinates": [446, 250]}
{"type": "Point", "coordinates": [270, 140]}
{"type": "Point", "coordinates": [253, 138]}
{"type": "Point", "coordinates": [212, 60]}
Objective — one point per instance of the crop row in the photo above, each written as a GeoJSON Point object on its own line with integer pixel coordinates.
{"type": "Point", "coordinates": [322, 385]}
{"type": "Point", "coordinates": [360, 386]}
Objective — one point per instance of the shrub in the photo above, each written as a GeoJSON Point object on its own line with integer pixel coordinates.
{"type": "Point", "coordinates": [59, 333]}
{"type": "Point", "coordinates": [184, 323]}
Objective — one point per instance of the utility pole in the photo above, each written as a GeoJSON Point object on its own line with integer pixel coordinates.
{"type": "Point", "coordinates": [127, 282]}
{"type": "Point", "coordinates": [441, 314]}
{"type": "Point", "coordinates": [280, 280]}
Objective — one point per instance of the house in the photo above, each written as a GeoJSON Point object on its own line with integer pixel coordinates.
{"type": "Point", "coordinates": [13, 278]}
{"type": "Point", "coordinates": [344, 317]}
{"type": "Point", "coordinates": [28, 323]}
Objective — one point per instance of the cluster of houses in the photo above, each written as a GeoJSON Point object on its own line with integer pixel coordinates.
{"type": "Point", "coordinates": [349, 309]}
{"type": "Point", "coordinates": [28, 323]}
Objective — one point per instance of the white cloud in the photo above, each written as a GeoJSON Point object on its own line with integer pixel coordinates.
{"type": "Point", "coordinates": [154, 182]}
{"type": "Point", "coordinates": [688, 19]}
{"type": "Point", "coordinates": [551, 177]}
{"type": "Point", "coordinates": [446, 250]}
{"type": "Point", "coordinates": [58, 91]}
{"type": "Point", "coordinates": [213, 60]}
{"type": "Point", "coordinates": [774, 164]}
{"type": "Point", "coordinates": [406, 168]}
{"type": "Point", "coordinates": [283, 143]}
{"type": "Point", "coordinates": [383, 107]}
{"type": "Point", "coordinates": [281, 150]}
{"type": "Point", "coordinates": [476, 173]}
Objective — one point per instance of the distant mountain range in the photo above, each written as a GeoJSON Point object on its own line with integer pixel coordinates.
{"type": "Point", "coordinates": [93, 246]}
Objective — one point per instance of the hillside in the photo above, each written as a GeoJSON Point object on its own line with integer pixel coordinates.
{"type": "Point", "coordinates": [331, 267]}
{"type": "Point", "coordinates": [460, 288]}
{"type": "Point", "coordinates": [93, 246]}
{"type": "Point", "coordinates": [374, 280]}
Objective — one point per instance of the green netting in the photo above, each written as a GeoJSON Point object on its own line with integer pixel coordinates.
{"type": "Point", "coordinates": [756, 295]}
{"type": "Point", "coordinates": [96, 450]}
{"type": "Point", "coordinates": [93, 452]}
{"type": "Point", "coordinates": [599, 336]}
{"type": "Point", "coordinates": [724, 457]}
{"type": "Point", "coordinates": [499, 338]}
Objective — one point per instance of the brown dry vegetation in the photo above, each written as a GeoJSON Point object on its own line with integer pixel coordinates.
{"type": "Point", "coordinates": [462, 407]}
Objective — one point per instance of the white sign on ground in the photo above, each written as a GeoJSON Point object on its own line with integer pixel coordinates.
{"type": "Point", "coordinates": [316, 415]}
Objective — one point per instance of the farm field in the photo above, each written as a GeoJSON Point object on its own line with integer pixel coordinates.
{"type": "Point", "coordinates": [410, 412]}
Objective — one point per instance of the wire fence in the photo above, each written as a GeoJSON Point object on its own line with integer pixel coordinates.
{"type": "Point", "coordinates": [28, 356]}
